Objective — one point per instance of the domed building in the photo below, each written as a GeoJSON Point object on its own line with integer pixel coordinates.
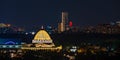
{"type": "Point", "coordinates": [41, 41]}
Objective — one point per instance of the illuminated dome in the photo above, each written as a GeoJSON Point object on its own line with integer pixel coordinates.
{"type": "Point", "coordinates": [42, 41]}
{"type": "Point", "coordinates": [42, 37]}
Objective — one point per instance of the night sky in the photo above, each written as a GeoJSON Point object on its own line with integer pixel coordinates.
{"type": "Point", "coordinates": [31, 14]}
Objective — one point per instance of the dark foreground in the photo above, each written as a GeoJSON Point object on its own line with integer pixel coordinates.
{"type": "Point", "coordinates": [45, 55]}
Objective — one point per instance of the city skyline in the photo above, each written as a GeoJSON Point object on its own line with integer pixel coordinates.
{"type": "Point", "coordinates": [32, 14]}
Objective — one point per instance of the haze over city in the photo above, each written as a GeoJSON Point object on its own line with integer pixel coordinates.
{"type": "Point", "coordinates": [30, 14]}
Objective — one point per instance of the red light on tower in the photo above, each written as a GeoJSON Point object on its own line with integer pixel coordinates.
{"type": "Point", "coordinates": [70, 23]}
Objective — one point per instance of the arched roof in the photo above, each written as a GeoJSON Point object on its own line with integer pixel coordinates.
{"type": "Point", "coordinates": [42, 35]}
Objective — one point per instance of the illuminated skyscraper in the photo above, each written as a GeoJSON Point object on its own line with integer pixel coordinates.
{"type": "Point", "coordinates": [64, 23]}
{"type": "Point", "coordinates": [64, 20]}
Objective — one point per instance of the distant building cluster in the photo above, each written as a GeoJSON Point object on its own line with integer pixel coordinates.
{"type": "Point", "coordinates": [103, 28]}
{"type": "Point", "coordinates": [67, 26]}
{"type": "Point", "coordinates": [7, 28]}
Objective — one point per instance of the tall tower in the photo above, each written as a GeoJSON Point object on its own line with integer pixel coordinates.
{"type": "Point", "coordinates": [64, 22]}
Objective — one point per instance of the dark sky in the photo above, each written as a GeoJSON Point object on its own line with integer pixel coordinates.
{"type": "Point", "coordinates": [31, 14]}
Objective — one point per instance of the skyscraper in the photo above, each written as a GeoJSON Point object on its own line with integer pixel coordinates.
{"type": "Point", "coordinates": [64, 20]}
{"type": "Point", "coordinates": [64, 23]}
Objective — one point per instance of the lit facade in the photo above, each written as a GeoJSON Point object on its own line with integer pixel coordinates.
{"type": "Point", "coordinates": [64, 24]}
{"type": "Point", "coordinates": [64, 20]}
{"type": "Point", "coordinates": [41, 41]}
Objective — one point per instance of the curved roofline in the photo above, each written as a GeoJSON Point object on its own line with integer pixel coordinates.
{"type": "Point", "coordinates": [42, 35]}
